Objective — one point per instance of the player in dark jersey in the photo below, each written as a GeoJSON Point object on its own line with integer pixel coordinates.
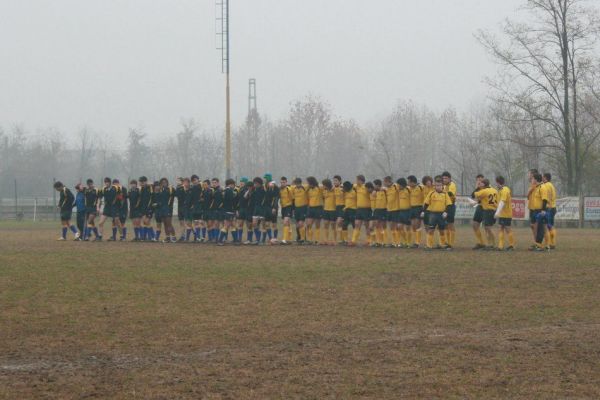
{"type": "Point", "coordinates": [65, 205]}
{"type": "Point", "coordinates": [134, 209]}
{"type": "Point", "coordinates": [244, 215]}
{"type": "Point", "coordinates": [91, 196]}
{"type": "Point", "coordinates": [272, 202]}
{"type": "Point", "coordinates": [227, 211]}
{"type": "Point", "coordinates": [145, 209]}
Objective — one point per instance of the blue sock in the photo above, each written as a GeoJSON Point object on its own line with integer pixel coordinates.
{"type": "Point", "coordinates": [270, 233]}
{"type": "Point", "coordinates": [151, 234]}
{"type": "Point", "coordinates": [73, 229]}
{"type": "Point", "coordinates": [249, 235]}
{"type": "Point", "coordinates": [124, 235]}
{"type": "Point", "coordinates": [95, 230]}
{"type": "Point", "coordinates": [223, 236]}
{"type": "Point", "coordinates": [275, 232]}
{"type": "Point", "coordinates": [188, 233]}
{"type": "Point", "coordinates": [257, 234]}
{"type": "Point", "coordinates": [64, 232]}
{"type": "Point", "coordinates": [203, 233]}
{"type": "Point", "coordinates": [157, 234]}
{"type": "Point", "coordinates": [86, 232]}
{"type": "Point", "coordinates": [197, 233]}
{"type": "Point", "coordinates": [114, 233]}
{"type": "Point", "coordinates": [234, 235]}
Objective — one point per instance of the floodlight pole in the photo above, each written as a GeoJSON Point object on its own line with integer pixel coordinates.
{"type": "Point", "coordinates": [223, 18]}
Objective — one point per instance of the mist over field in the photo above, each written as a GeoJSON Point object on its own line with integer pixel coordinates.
{"type": "Point", "coordinates": [120, 89]}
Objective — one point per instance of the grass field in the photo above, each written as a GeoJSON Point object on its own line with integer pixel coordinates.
{"type": "Point", "coordinates": [155, 321]}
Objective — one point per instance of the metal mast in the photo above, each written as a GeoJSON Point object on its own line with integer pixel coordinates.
{"type": "Point", "coordinates": [223, 36]}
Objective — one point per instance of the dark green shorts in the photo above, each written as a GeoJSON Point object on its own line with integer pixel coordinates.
{"type": "Point", "coordinates": [349, 216]}
{"type": "Point", "coordinates": [505, 221]}
{"type": "Point", "coordinates": [478, 216]}
{"type": "Point", "coordinates": [380, 214]}
{"type": "Point", "coordinates": [363, 214]}
{"type": "Point", "coordinates": [339, 210]}
{"type": "Point", "coordinates": [287, 212]}
{"type": "Point", "coordinates": [330, 215]}
{"type": "Point", "coordinates": [404, 217]}
{"type": "Point", "coordinates": [65, 215]}
{"type": "Point", "coordinates": [314, 212]}
{"type": "Point", "coordinates": [436, 220]}
{"type": "Point", "coordinates": [488, 217]}
{"type": "Point", "coordinates": [415, 212]}
{"type": "Point", "coordinates": [300, 213]}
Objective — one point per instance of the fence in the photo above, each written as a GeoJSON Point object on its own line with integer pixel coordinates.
{"type": "Point", "coordinates": [571, 211]}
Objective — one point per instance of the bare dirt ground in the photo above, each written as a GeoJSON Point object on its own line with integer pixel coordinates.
{"type": "Point", "coordinates": [154, 321]}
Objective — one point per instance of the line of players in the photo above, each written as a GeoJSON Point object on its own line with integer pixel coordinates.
{"type": "Point", "coordinates": [392, 213]}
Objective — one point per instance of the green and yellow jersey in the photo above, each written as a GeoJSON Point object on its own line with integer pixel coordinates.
{"type": "Point", "coordinates": [328, 199]}
{"type": "Point", "coordinates": [417, 196]}
{"type": "Point", "coordinates": [505, 195]}
{"type": "Point", "coordinates": [437, 201]}
{"type": "Point", "coordinates": [537, 196]}
{"type": "Point", "coordinates": [391, 194]}
{"type": "Point", "coordinates": [339, 196]}
{"type": "Point", "coordinates": [451, 190]}
{"type": "Point", "coordinates": [350, 200]}
{"type": "Point", "coordinates": [404, 199]}
{"type": "Point", "coordinates": [286, 197]}
{"type": "Point", "coordinates": [363, 198]}
{"type": "Point", "coordinates": [300, 196]}
{"type": "Point", "coordinates": [551, 193]}
{"type": "Point", "coordinates": [380, 200]}
{"type": "Point", "coordinates": [488, 198]}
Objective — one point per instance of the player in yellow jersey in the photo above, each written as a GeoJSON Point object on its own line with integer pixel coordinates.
{"type": "Point", "coordinates": [436, 206]}
{"type": "Point", "coordinates": [417, 197]}
{"type": "Point", "coordinates": [487, 197]}
{"type": "Point", "coordinates": [391, 194]}
{"type": "Point", "coordinates": [551, 212]}
{"type": "Point", "coordinates": [286, 200]}
{"type": "Point", "coordinates": [339, 209]}
{"type": "Point", "coordinates": [380, 214]}
{"type": "Point", "coordinates": [349, 209]}
{"type": "Point", "coordinates": [428, 187]}
{"type": "Point", "coordinates": [363, 209]}
{"type": "Point", "coordinates": [477, 215]}
{"type": "Point", "coordinates": [300, 208]}
{"type": "Point", "coordinates": [404, 213]}
{"type": "Point", "coordinates": [532, 186]}
{"type": "Point", "coordinates": [450, 188]}
{"type": "Point", "coordinates": [329, 211]}
{"type": "Point", "coordinates": [315, 211]}
{"type": "Point", "coordinates": [538, 205]}
{"type": "Point", "coordinates": [371, 230]}
{"type": "Point", "coordinates": [504, 215]}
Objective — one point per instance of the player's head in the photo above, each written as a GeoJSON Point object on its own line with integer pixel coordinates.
{"type": "Point", "coordinates": [547, 177]}
{"type": "Point", "coordinates": [164, 182]}
{"type": "Point", "coordinates": [479, 178]}
{"type": "Point", "coordinates": [337, 180]}
{"type": "Point", "coordinates": [412, 180]}
{"type": "Point", "coordinates": [133, 184]}
{"type": "Point", "coordinates": [485, 182]}
{"type": "Point", "coordinates": [283, 182]}
{"type": "Point", "coordinates": [90, 183]}
{"type": "Point", "coordinates": [360, 179]}
{"type": "Point", "coordinates": [230, 183]}
{"type": "Point", "coordinates": [195, 179]}
{"type": "Point", "coordinates": [312, 181]}
{"type": "Point", "coordinates": [370, 187]}
{"type": "Point", "coordinates": [143, 180]}
{"type": "Point", "coordinates": [388, 181]}
{"type": "Point", "coordinates": [439, 185]}
{"type": "Point", "coordinates": [402, 183]}
{"type": "Point", "coordinates": [244, 181]}
{"type": "Point", "coordinates": [438, 178]}
{"type": "Point", "coordinates": [298, 181]}
{"type": "Point", "coordinates": [107, 181]}
{"type": "Point", "coordinates": [500, 180]}
{"type": "Point", "coordinates": [116, 182]}
{"type": "Point", "coordinates": [532, 172]}
{"type": "Point", "coordinates": [79, 187]}
{"type": "Point", "coordinates": [268, 177]}
{"type": "Point", "coordinates": [327, 184]}
{"type": "Point", "coordinates": [446, 177]}
{"type": "Point", "coordinates": [537, 177]}
{"type": "Point", "coordinates": [347, 186]}
{"type": "Point", "coordinates": [427, 181]}
{"type": "Point", "coordinates": [185, 182]}
{"type": "Point", "coordinates": [179, 181]}
{"type": "Point", "coordinates": [214, 182]}
{"type": "Point", "coordinates": [377, 184]}
{"type": "Point", "coordinates": [258, 182]}
{"type": "Point", "coordinates": [58, 185]}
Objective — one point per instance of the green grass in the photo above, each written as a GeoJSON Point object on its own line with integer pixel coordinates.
{"type": "Point", "coordinates": [128, 320]}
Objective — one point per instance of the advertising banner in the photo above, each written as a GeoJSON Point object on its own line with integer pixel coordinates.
{"type": "Point", "coordinates": [591, 208]}
{"type": "Point", "coordinates": [567, 209]}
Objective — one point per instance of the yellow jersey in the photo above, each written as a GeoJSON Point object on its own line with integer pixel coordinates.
{"type": "Point", "coordinates": [505, 195]}
{"type": "Point", "coordinates": [426, 191]}
{"type": "Point", "coordinates": [339, 196]}
{"type": "Point", "coordinates": [380, 200]}
{"type": "Point", "coordinates": [315, 197]}
{"type": "Point", "coordinates": [551, 193]}
{"type": "Point", "coordinates": [328, 199]}
{"type": "Point", "coordinates": [350, 200]}
{"type": "Point", "coordinates": [404, 199]}
{"type": "Point", "coordinates": [451, 190]}
{"type": "Point", "coordinates": [286, 196]}
{"type": "Point", "coordinates": [437, 201]}
{"type": "Point", "coordinates": [300, 196]}
{"type": "Point", "coordinates": [488, 198]}
{"type": "Point", "coordinates": [373, 199]}
{"type": "Point", "coordinates": [363, 198]}
{"type": "Point", "coordinates": [537, 196]}
{"type": "Point", "coordinates": [417, 196]}
{"type": "Point", "coordinates": [391, 194]}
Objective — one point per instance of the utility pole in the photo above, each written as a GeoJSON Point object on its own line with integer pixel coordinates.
{"type": "Point", "coordinates": [223, 35]}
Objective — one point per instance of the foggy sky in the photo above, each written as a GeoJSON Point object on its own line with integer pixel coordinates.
{"type": "Point", "coordinates": [116, 64]}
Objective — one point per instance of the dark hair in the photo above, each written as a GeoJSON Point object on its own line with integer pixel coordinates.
{"type": "Point", "coordinates": [258, 180]}
{"type": "Point", "coordinates": [347, 186]}
{"type": "Point", "coordinates": [412, 179]}
{"type": "Point", "coordinates": [132, 182]}
{"type": "Point", "coordinates": [486, 182]}
{"type": "Point", "coordinates": [446, 174]}
{"type": "Point", "coordinates": [312, 181]}
{"type": "Point", "coordinates": [369, 185]}
{"type": "Point", "coordinates": [388, 179]}
{"type": "Point", "coordinates": [537, 177]}
{"type": "Point", "coordinates": [215, 179]}
{"type": "Point", "coordinates": [438, 178]}
{"type": "Point", "coordinates": [283, 178]}
{"type": "Point", "coordinates": [297, 181]}
{"type": "Point", "coordinates": [194, 177]}
{"type": "Point", "coordinates": [156, 183]}
{"type": "Point", "coordinates": [533, 171]}
{"type": "Point", "coordinates": [339, 178]}
{"type": "Point", "coordinates": [107, 180]}
{"type": "Point", "coordinates": [89, 181]}
{"type": "Point", "coordinates": [115, 181]}
{"type": "Point", "coordinates": [163, 180]}
{"type": "Point", "coordinates": [360, 178]}
{"type": "Point", "coordinates": [402, 182]}
{"type": "Point", "coordinates": [377, 182]}
{"type": "Point", "coordinates": [479, 176]}
{"type": "Point", "coordinates": [500, 180]}
{"type": "Point", "coordinates": [229, 182]}
{"type": "Point", "coordinates": [186, 179]}
{"type": "Point", "coordinates": [58, 185]}
{"type": "Point", "coordinates": [327, 183]}
{"type": "Point", "coordinates": [207, 181]}
{"type": "Point", "coordinates": [143, 179]}
{"type": "Point", "coordinates": [426, 178]}
{"type": "Point", "coordinates": [548, 176]}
